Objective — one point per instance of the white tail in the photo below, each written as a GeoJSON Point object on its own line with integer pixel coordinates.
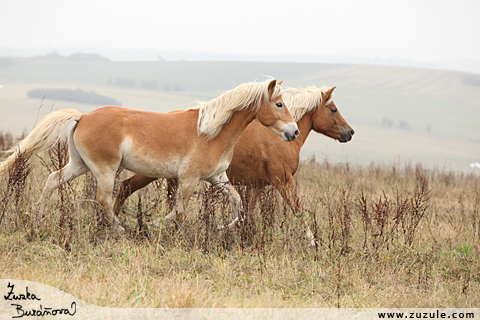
{"type": "Point", "coordinates": [48, 132]}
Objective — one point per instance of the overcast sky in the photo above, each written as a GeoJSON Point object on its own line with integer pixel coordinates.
{"type": "Point", "coordinates": [419, 30]}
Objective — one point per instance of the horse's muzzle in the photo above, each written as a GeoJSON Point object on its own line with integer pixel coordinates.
{"type": "Point", "coordinates": [346, 135]}
{"type": "Point", "coordinates": [290, 132]}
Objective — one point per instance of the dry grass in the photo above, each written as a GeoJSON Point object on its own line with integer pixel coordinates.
{"type": "Point", "coordinates": [388, 236]}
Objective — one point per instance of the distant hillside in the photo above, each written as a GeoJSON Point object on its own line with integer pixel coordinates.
{"type": "Point", "coordinates": [464, 65]}
{"type": "Point", "coordinates": [391, 105]}
{"type": "Point", "coordinates": [73, 95]}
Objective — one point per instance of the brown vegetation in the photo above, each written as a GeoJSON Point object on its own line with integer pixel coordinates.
{"type": "Point", "coordinates": [387, 236]}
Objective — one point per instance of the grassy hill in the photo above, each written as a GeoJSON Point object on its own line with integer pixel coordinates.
{"type": "Point", "coordinates": [398, 113]}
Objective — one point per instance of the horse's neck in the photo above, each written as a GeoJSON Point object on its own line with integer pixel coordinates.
{"type": "Point", "coordinates": [305, 126]}
{"type": "Point", "coordinates": [232, 130]}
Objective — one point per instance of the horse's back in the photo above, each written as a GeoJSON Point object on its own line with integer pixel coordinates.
{"type": "Point", "coordinates": [149, 143]}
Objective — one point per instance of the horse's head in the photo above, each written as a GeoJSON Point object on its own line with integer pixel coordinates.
{"type": "Point", "coordinates": [326, 119]}
{"type": "Point", "coordinates": [274, 114]}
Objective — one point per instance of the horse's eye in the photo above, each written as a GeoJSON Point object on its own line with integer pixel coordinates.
{"type": "Point", "coordinates": [279, 104]}
{"type": "Point", "coordinates": [334, 110]}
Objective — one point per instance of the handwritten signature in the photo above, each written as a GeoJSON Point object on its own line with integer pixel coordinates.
{"type": "Point", "coordinates": [41, 311]}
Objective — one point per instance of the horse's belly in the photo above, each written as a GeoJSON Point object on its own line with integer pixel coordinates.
{"type": "Point", "coordinates": [153, 168]}
{"type": "Point", "coordinates": [148, 162]}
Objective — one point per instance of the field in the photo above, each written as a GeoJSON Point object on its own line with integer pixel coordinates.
{"type": "Point", "coordinates": [396, 211]}
{"type": "Point", "coordinates": [404, 115]}
{"type": "Point", "coordinates": [388, 236]}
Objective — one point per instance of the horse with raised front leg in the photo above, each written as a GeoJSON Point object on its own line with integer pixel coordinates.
{"type": "Point", "coordinates": [261, 159]}
{"type": "Point", "coordinates": [191, 145]}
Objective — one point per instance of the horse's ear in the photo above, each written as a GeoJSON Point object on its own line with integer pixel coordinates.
{"type": "Point", "coordinates": [271, 87]}
{"type": "Point", "coordinates": [280, 82]}
{"type": "Point", "coordinates": [328, 93]}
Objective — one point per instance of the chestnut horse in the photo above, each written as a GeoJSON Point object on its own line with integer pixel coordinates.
{"type": "Point", "coordinates": [260, 158]}
{"type": "Point", "coordinates": [191, 145]}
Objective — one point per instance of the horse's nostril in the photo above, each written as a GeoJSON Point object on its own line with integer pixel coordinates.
{"type": "Point", "coordinates": [297, 132]}
{"type": "Point", "coordinates": [352, 132]}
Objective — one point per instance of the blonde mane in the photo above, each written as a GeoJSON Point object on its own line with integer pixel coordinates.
{"type": "Point", "coordinates": [301, 101]}
{"type": "Point", "coordinates": [215, 113]}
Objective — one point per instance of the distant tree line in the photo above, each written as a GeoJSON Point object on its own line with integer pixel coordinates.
{"type": "Point", "coordinates": [73, 95]}
{"type": "Point", "coordinates": [87, 57]}
{"type": "Point", "coordinates": [146, 84]}
{"type": "Point", "coordinates": [402, 124]}
{"type": "Point", "coordinates": [123, 82]}
{"type": "Point", "coordinates": [74, 56]}
{"type": "Point", "coordinates": [176, 87]}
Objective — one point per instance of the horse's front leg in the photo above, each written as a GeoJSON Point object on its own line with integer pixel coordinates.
{"type": "Point", "coordinates": [127, 188]}
{"type": "Point", "coordinates": [172, 186]}
{"type": "Point", "coordinates": [289, 194]}
{"type": "Point", "coordinates": [184, 191]}
{"type": "Point", "coordinates": [221, 182]}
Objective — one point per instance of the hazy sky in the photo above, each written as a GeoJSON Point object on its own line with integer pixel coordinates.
{"type": "Point", "coordinates": [421, 30]}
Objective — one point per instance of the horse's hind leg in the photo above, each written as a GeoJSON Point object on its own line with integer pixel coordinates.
{"type": "Point", "coordinates": [72, 170]}
{"type": "Point", "coordinates": [105, 181]}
